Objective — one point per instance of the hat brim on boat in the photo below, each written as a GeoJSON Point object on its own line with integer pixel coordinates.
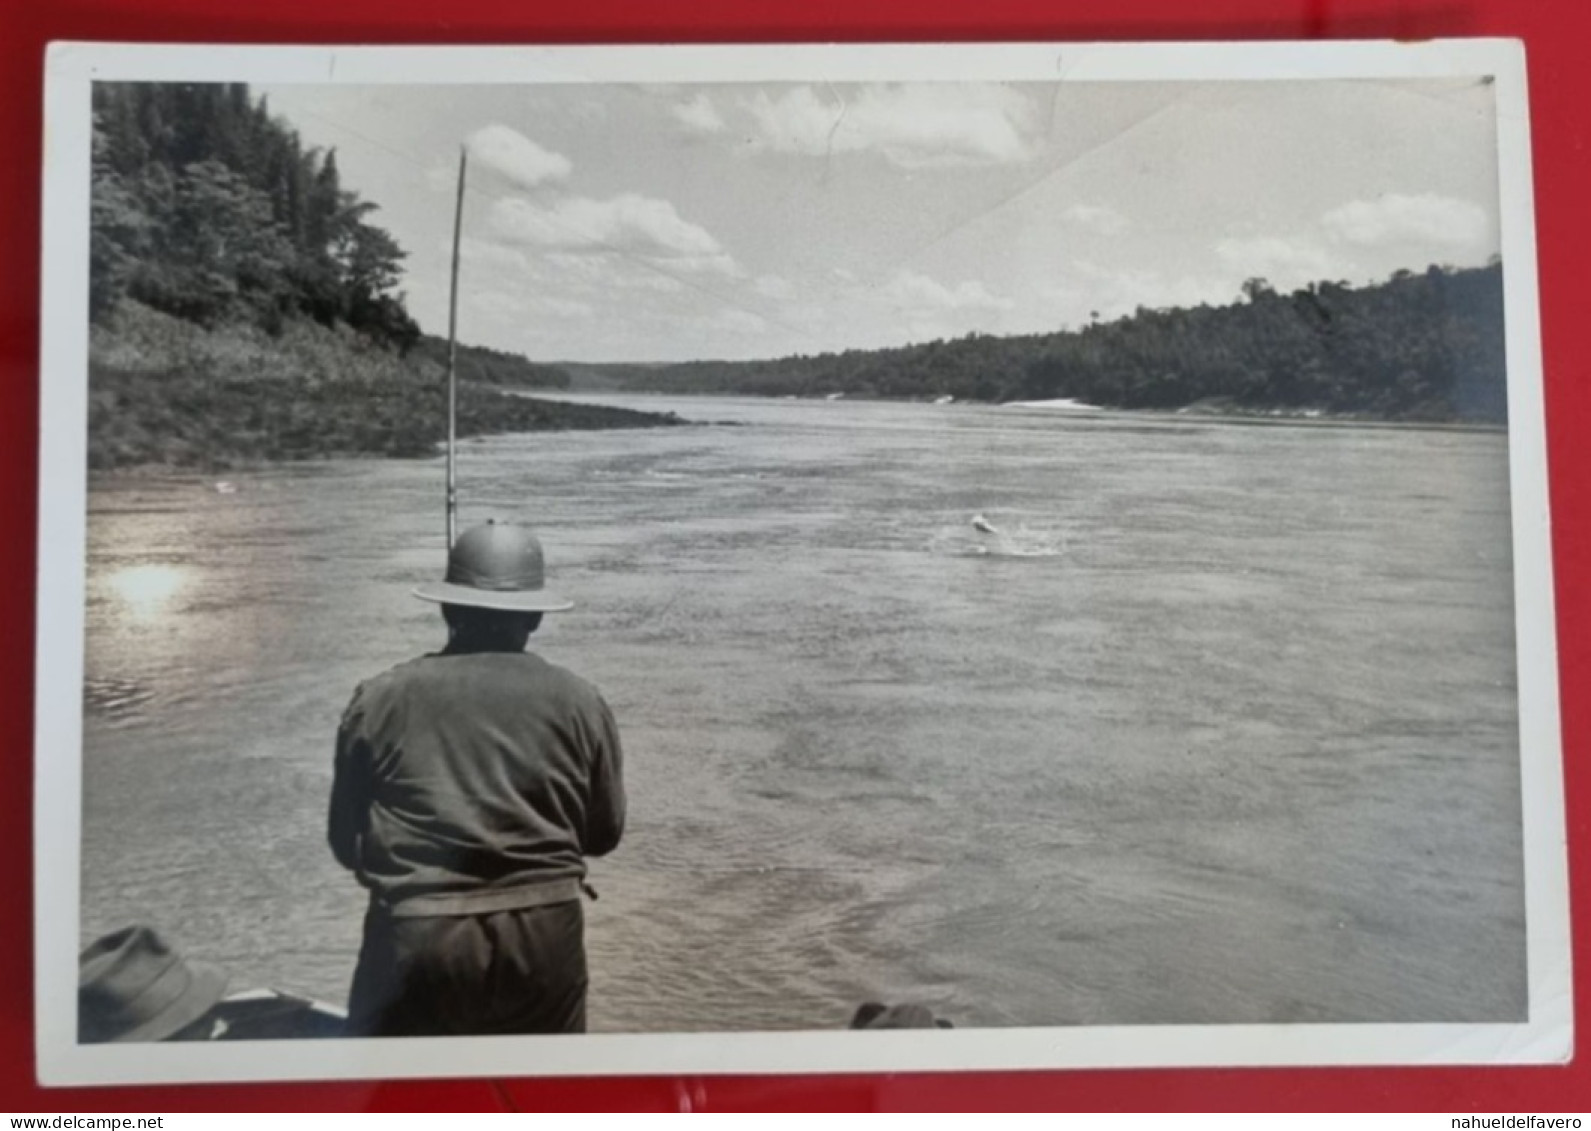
{"type": "Point", "coordinates": [205, 987]}
{"type": "Point", "coordinates": [504, 601]}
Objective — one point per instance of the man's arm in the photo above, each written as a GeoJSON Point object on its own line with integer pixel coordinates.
{"type": "Point", "coordinates": [349, 814]}
{"type": "Point", "coordinates": [606, 808]}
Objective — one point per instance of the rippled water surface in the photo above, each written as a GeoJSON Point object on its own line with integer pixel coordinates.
{"type": "Point", "coordinates": [1220, 729]}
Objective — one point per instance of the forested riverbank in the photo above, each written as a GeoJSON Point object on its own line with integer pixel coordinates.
{"type": "Point", "coordinates": [1419, 346]}
{"type": "Point", "coordinates": [246, 307]}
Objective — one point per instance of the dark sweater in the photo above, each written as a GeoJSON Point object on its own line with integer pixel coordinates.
{"type": "Point", "coordinates": [473, 777]}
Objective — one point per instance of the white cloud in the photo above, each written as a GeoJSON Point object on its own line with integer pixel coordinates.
{"type": "Point", "coordinates": [698, 115]}
{"type": "Point", "coordinates": [917, 292]}
{"type": "Point", "coordinates": [565, 307]}
{"type": "Point", "coordinates": [515, 157]}
{"type": "Point", "coordinates": [518, 304]}
{"type": "Point", "coordinates": [1110, 292]}
{"type": "Point", "coordinates": [588, 111]}
{"type": "Point", "coordinates": [719, 263]}
{"type": "Point", "coordinates": [1395, 217]}
{"type": "Point", "coordinates": [599, 276]}
{"type": "Point", "coordinates": [838, 309]}
{"type": "Point", "coordinates": [629, 224]}
{"type": "Point", "coordinates": [1285, 262]}
{"type": "Point", "coordinates": [908, 306]}
{"type": "Point", "coordinates": [772, 286]}
{"type": "Point", "coordinates": [914, 126]}
{"type": "Point", "coordinates": [442, 178]}
{"type": "Point", "coordinates": [1363, 239]}
{"type": "Point", "coordinates": [739, 322]}
{"type": "Point", "coordinates": [504, 281]}
{"type": "Point", "coordinates": [644, 280]}
{"type": "Point", "coordinates": [485, 253]}
{"type": "Point", "coordinates": [1100, 218]}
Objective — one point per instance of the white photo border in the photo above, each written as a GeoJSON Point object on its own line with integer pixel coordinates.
{"type": "Point", "coordinates": [72, 68]}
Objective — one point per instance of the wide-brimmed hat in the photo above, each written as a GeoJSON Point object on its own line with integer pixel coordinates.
{"type": "Point", "coordinates": [496, 565]}
{"type": "Point", "coordinates": [131, 986]}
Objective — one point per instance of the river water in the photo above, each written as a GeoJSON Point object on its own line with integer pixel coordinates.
{"type": "Point", "coordinates": [1221, 727]}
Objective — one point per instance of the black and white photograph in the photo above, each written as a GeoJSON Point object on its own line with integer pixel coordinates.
{"type": "Point", "coordinates": [784, 559]}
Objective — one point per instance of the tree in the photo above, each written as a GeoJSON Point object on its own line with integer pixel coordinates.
{"type": "Point", "coordinates": [369, 258]}
{"type": "Point", "coordinates": [220, 249]}
{"type": "Point", "coordinates": [206, 207]}
{"type": "Point", "coordinates": [1256, 288]}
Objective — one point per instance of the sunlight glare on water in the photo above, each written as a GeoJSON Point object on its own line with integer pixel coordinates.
{"type": "Point", "coordinates": [146, 591]}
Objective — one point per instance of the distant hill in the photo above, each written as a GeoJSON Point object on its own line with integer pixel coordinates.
{"type": "Point", "coordinates": [598, 377]}
{"type": "Point", "coordinates": [494, 367]}
{"type": "Point", "coordinates": [1419, 346]}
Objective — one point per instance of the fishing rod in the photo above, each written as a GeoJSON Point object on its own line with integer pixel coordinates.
{"type": "Point", "coordinates": [452, 360]}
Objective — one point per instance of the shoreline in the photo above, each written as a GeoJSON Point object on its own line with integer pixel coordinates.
{"type": "Point", "coordinates": [143, 437]}
{"type": "Point", "coordinates": [1065, 409]}
{"type": "Point", "coordinates": [1071, 409]}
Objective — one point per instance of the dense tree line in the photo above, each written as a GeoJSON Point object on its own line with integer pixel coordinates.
{"type": "Point", "coordinates": [495, 367]}
{"type": "Point", "coordinates": [1419, 346]}
{"type": "Point", "coordinates": [245, 308]}
{"type": "Point", "coordinates": [207, 207]}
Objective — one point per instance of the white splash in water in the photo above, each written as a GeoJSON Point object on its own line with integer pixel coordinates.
{"type": "Point", "coordinates": [1019, 541]}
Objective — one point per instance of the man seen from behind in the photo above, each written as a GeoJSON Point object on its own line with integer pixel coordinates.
{"type": "Point", "coordinates": [470, 785]}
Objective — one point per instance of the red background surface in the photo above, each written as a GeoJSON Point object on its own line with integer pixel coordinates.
{"type": "Point", "coordinates": [1556, 34]}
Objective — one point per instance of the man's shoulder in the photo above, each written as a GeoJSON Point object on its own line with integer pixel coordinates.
{"type": "Point", "coordinates": [395, 677]}
{"type": "Point", "coordinates": [576, 689]}
{"type": "Point", "coordinates": [485, 668]}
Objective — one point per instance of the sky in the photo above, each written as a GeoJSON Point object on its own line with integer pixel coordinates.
{"type": "Point", "coordinates": [612, 222]}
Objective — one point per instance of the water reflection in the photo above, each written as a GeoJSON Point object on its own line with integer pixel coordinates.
{"type": "Point", "coordinates": [147, 590]}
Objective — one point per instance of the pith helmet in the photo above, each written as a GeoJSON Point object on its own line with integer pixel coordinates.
{"type": "Point", "coordinates": [495, 566]}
